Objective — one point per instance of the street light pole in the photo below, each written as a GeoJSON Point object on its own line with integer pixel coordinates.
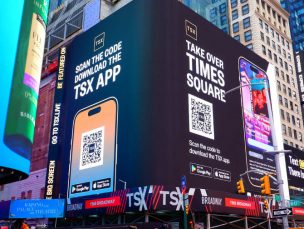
{"type": "Point", "coordinates": [277, 157]}
{"type": "Point", "coordinates": [279, 153]}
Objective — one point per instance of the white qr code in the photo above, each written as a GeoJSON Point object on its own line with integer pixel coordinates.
{"type": "Point", "coordinates": [200, 117]}
{"type": "Point", "coordinates": [92, 148]}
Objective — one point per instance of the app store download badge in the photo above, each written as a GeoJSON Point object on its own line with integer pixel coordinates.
{"type": "Point", "coordinates": [200, 170]}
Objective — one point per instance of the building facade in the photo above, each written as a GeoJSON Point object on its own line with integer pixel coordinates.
{"type": "Point", "coordinates": [263, 27]}
{"type": "Point", "coordinates": [215, 11]}
{"type": "Point", "coordinates": [296, 21]}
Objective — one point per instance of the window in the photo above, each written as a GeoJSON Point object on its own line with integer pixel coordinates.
{"type": "Point", "coordinates": [281, 62]}
{"type": "Point", "coordinates": [223, 20]}
{"type": "Point", "coordinates": [268, 40]}
{"type": "Point", "coordinates": [237, 37]}
{"type": "Point", "coordinates": [242, 1]}
{"type": "Point", "coordinates": [286, 102]}
{"type": "Point", "coordinates": [264, 49]}
{"type": "Point", "coordinates": [250, 46]}
{"type": "Point", "coordinates": [291, 105]}
{"type": "Point", "coordinates": [233, 3]}
{"type": "Point", "coordinates": [283, 41]}
{"type": "Point", "coordinates": [248, 35]}
{"type": "Point", "coordinates": [261, 23]}
{"type": "Point", "coordinates": [269, 54]}
{"type": "Point", "coordinates": [246, 23]}
{"type": "Point", "coordinates": [279, 85]}
{"type": "Point", "coordinates": [266, 28]}
{"type": "Point", "coordinates": [223, 8]}
{"type": "Point", "coordinates": [284, 88]}
{"type": "Point", "coordinates": [273, 45]}
{"type": "Point", "coordinates": [295, 134]}
{"type": "Point", "coordinates": [278, 37]}
{"type": "Point", "coordinates": [235, 27]}
{"type": "Point", "coordinates": [245, 9]}
{"type": "Point", "coordinates": [213, 12]}
{"type": "Point", "coordinates": [275, 58]}
{"type": "Point", "coordinates": [235, 14]}
{"type": "Point", "coordinates": [282, 114]}
{"type": "Point", "coordinates": [277, 71]}
{"type": "Point", "coordinates": [272, 32]}
{"type": "Point", "coordinates": [287, 78]}
{"type": "Point", "coordinates": [286, 65]}
{"type": "Point", "coordinates": [262, 36]}
{"type": "Point", "coordinates": [280, 100]}
{"type": "Point", "coordinates": [279, 49]}
{"type": "Point", "coordinates": [29, 194]}
{"type": "Point", "coordinates": [284, 53]}
{"type": "Point", "coordinates": [293, 120]}
{"type": "Point", "coordinates": [283, 129]}
{"type": "Point", "coordinates": [289, 92]}
{"type": "Point", "coordinates": [288, 117]}
{"type": "Point", "coordinates": [289, 132]}
{"type": "Point", "coordinates": [22, 195]}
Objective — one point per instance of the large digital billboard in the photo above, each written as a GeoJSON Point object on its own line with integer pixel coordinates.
{"type": "Point", "coordinates": [20, 93]}
{"type": "Point", "coordinates": [295, 170]}
{"type": "Point", "coordinates": [143, 101]}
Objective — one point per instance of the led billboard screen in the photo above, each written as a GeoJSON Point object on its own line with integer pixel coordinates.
{"type": "Point", "coordinates": [143, 101]}
{"type": "Point", "coordinates": [20, 93]}
{"type": "Point", "coordinates": [37, 209]}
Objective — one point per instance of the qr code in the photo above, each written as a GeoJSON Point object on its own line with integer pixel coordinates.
{"type": "Point", "coordinates": [200, 117]}
{"type": "Point", "coordinates": [92, 148]}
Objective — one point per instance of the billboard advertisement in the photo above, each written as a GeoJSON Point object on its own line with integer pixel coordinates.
{"type": "Point", "coordinates": [21, 91]}
{"type": "Point", "coordinates": [144, 103]}
{"type": "Point", "coordinates": [153, 198]}
{"type": "Point", "coordinates": [38, 209]}
{"type": "Point", "coordinates": [295, 170]}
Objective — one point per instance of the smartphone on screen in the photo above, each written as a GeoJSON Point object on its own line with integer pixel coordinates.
{"type": "Point", "coordinates": [93, 150]}
{"type": "Point", "coordinates": [256, 122]}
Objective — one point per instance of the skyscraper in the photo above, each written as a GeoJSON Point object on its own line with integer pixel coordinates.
{"type": "Point", "coordinates": [263, 26]}
{"type": "Point", "coordinates": [296, 21]}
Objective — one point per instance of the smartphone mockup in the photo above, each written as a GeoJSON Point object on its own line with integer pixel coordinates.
{"type": "Point", "coordinates": [257, 128]}
{"type": "Point", "coordinates": [93, 150]}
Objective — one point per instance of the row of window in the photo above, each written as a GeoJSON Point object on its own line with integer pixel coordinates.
{"type": "Point", "coordinates": [286, 89]}
{"type": "Point", "coordinates": [269, 30]}
{"type": "Point", "coordinates": [285, 77]}
{"type": "Point", "coordinates": [290, 118]}
{"type": "Point", "coordinates": [291, 132]}
{"type": "Point", "coordinates": [288, 105]}
{"type": "Point", "coordinates": [273, 56]}
{"type": "Point", "coordinates": [236, 25]}
{"type": "Point", "coordinates": [276, 16]}
{"type": "Point", "coordinates": [245, 11]}
{"type": "Point", "coordinates": [234, 3]}
{"type": "Point", "coordinates": [28, 194]}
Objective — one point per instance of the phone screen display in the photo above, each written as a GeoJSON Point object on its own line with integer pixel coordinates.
{"type": "Point", "coordinates": [254, 83]}
{"type": "Point", "coordinates": [93, 151]}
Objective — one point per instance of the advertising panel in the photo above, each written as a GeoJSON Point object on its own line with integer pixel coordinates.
{"type": "Point", "coordinates": [295, 170]}
{"type": "Point", "coordinates": [37, 209]}
{"type": "Point", "coordinates": [299, 63]}
{"type": "Point", "coordinates": [144, 102]}
{"type": "Point", "coordinates": [158, 197]}
{"type": "Point", "coordinates": [21, 90]}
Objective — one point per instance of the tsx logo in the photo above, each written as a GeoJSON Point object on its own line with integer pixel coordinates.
{"type": "Point", "coordinates": [99, 41]}
{"type": "Point", "coordinates": [191, 30]}
{"type": "Point", "coordinates": [172, 198]}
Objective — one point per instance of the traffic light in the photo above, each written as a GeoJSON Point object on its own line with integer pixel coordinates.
{"type": "Point", "coordinates": [187, 209]}
{"type": "Point", "coordinates": [265, 186]}
{"type": "Point", "coordinates": [265, 205]}
{"type": "Point", "coordinates": [240, 187]}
